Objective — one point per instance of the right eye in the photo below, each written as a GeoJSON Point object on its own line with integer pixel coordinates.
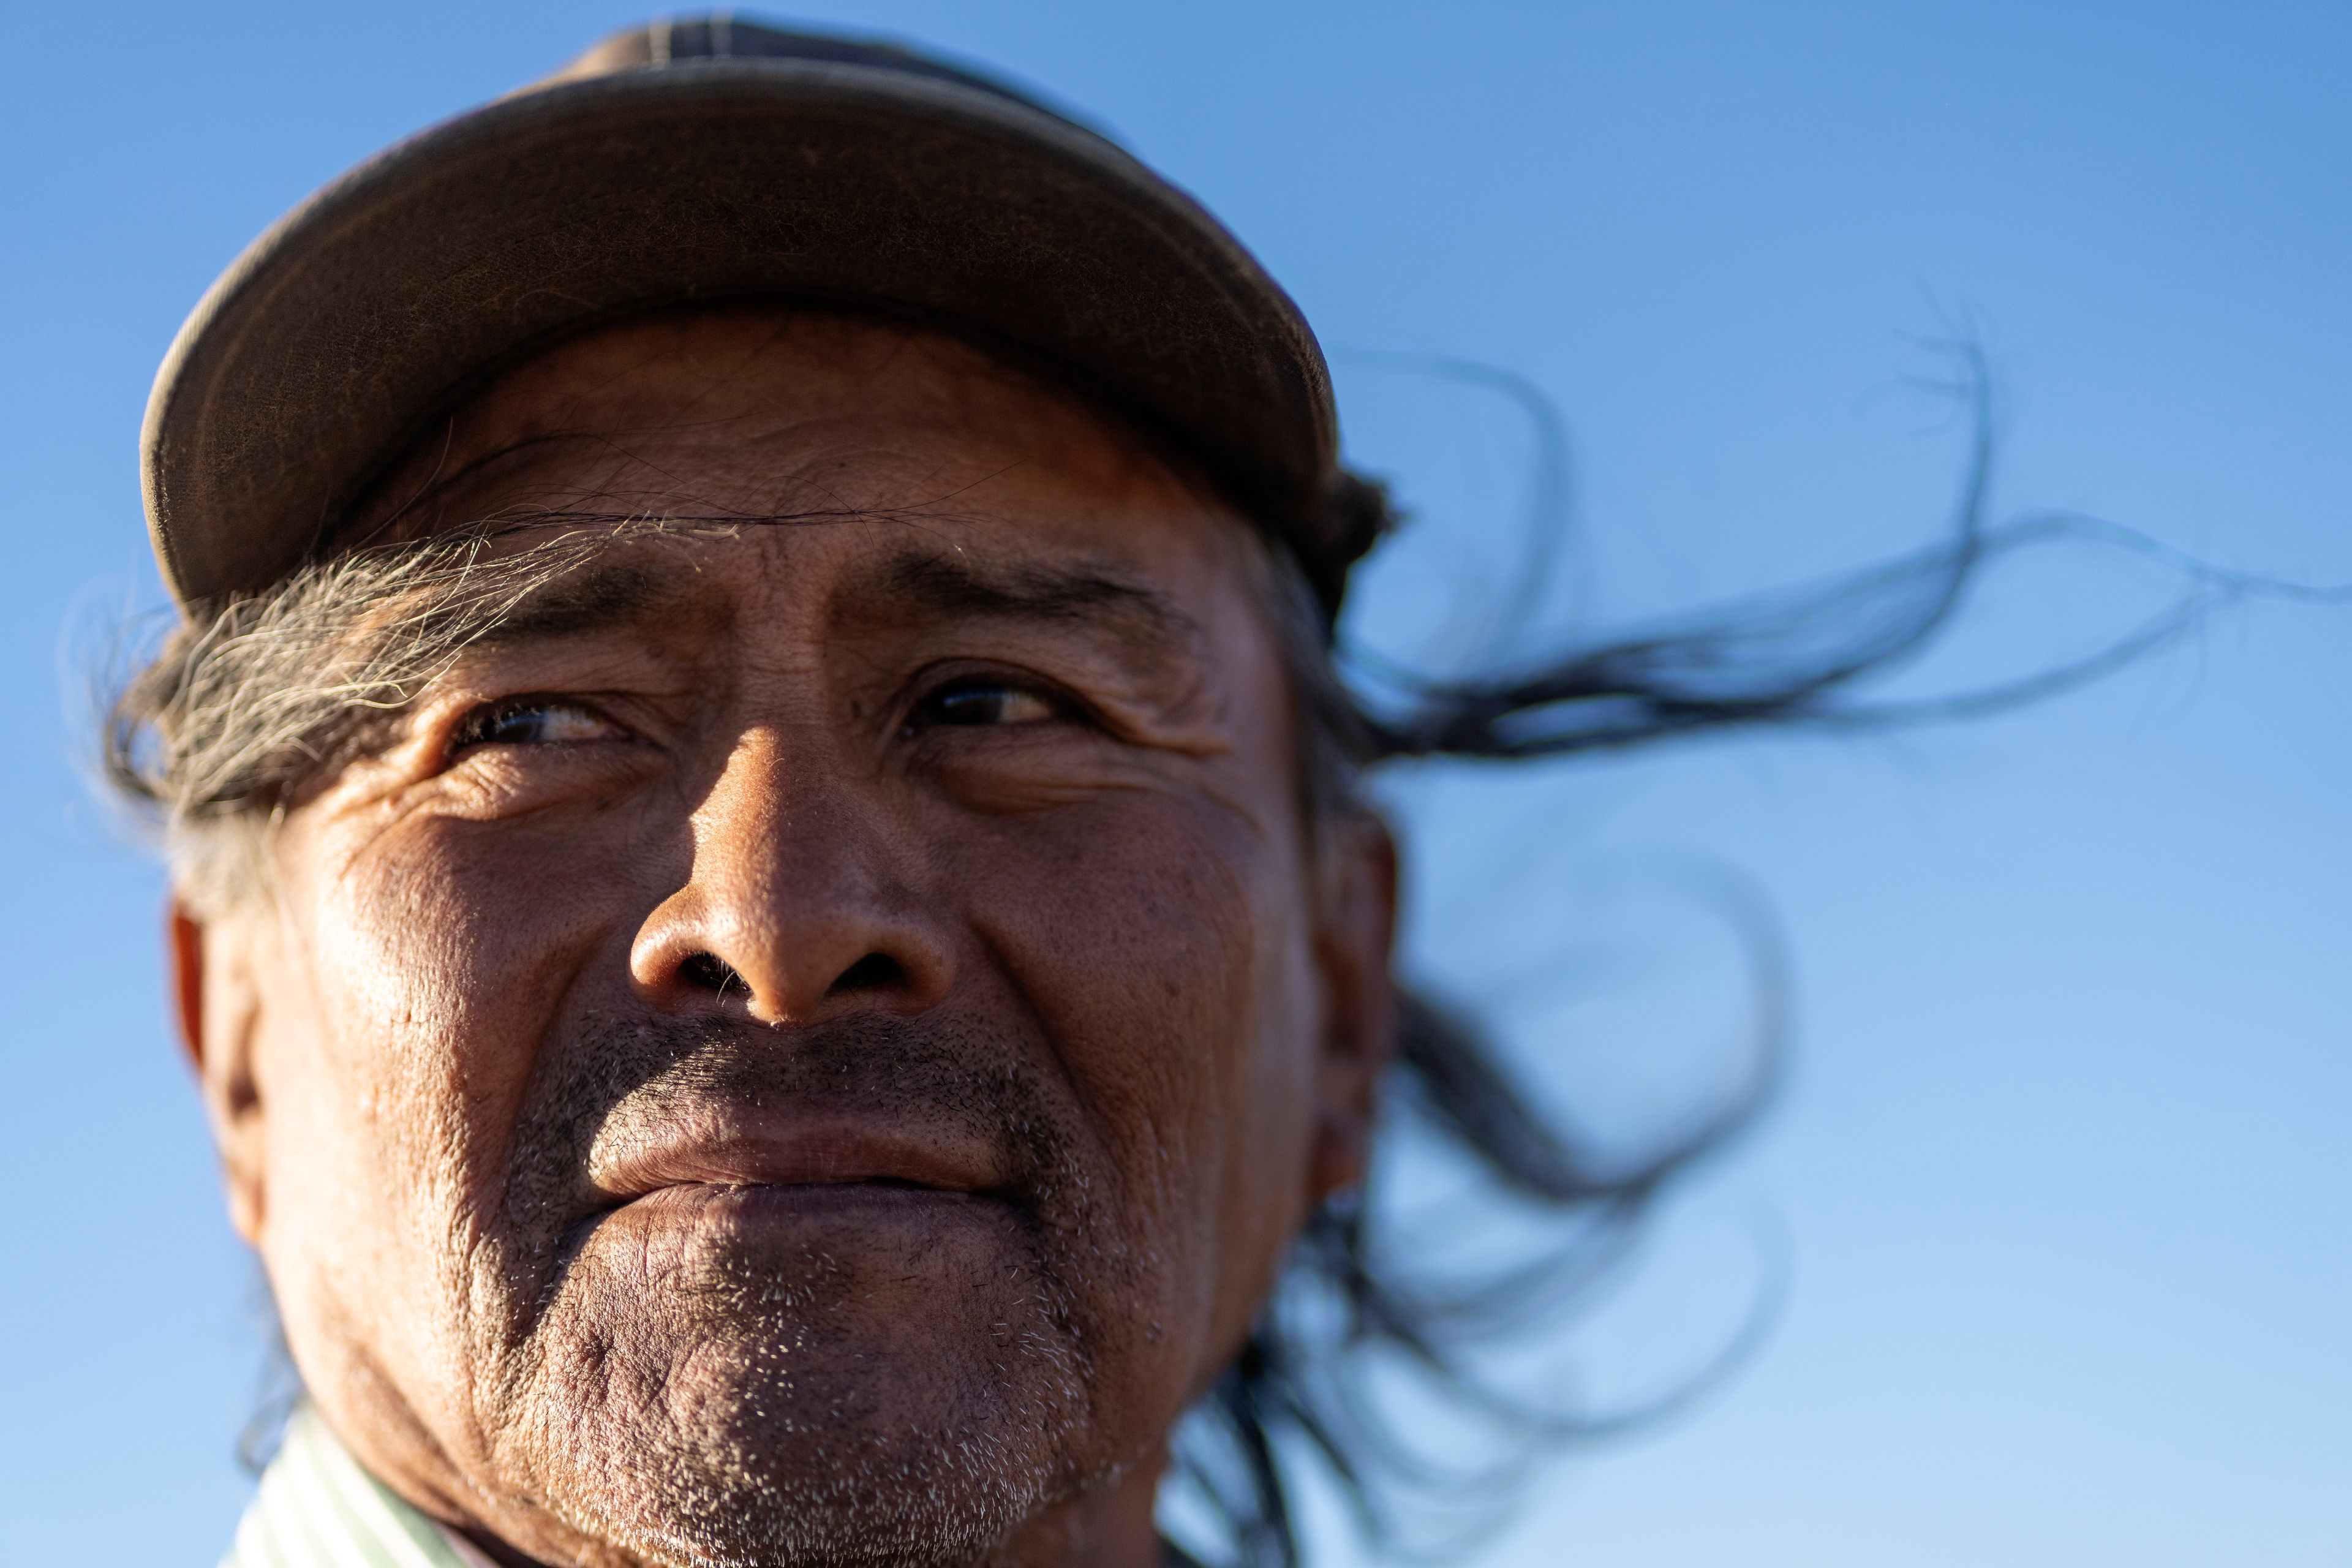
{"type": "Point", "coordinates": [532, 721]}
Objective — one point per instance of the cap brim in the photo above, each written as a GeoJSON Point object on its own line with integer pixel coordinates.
{"type": "Point", "coordinates": [362, 315]}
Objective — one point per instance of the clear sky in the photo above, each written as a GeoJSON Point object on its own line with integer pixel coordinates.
{"type": "Point", "coordinates": [2061, 1180]}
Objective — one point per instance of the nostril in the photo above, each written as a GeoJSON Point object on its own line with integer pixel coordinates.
{"type": "Point", "coordinates": [707, 971]}
{"type": "Point", "coordinates": [871, 973]}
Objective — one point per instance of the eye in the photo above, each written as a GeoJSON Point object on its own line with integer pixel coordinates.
{"type": "Point", "coordinates": [532, 721]}
{"type": "Point", "coordinates": [983, 700]}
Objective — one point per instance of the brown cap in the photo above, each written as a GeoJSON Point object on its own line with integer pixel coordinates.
{"type": "Point", "coordinates": [716, 159]}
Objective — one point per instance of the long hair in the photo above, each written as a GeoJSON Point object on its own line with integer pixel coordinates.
{"type": "Point", "coordinates": [1358, 1307]}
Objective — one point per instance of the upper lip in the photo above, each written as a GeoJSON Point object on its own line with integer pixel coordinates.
{"type": "Point", "coordinates": [732, 1147]}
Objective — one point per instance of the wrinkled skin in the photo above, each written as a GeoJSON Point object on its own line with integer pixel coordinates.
{"type": "Point", "coordinates": [812, 1046]}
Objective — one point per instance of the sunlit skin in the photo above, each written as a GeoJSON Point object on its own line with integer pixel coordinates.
{"type": "Point", "coordinates": [811, 1046]}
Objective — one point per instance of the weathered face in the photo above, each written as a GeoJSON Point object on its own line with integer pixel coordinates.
{"type": "Point", "coordinates": [808, 1046]}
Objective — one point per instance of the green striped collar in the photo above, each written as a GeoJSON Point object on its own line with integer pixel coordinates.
{"type": "Point", "coordinates": [317, 1509]}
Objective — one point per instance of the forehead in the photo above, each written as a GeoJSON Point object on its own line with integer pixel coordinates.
{"type": "Point", "coordinates": [767, 414]}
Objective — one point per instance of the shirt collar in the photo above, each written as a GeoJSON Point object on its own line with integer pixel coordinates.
{"type": "Point", "coordinates": [316, 1508]}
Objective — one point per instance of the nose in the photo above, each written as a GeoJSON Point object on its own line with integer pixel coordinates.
{"type": "Point", "coordinates": [795, 908]}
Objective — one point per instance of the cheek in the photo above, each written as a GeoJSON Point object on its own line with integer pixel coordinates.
{"type": "Point", "coordinates": [1158, 941]}
{"type": "Point", "coordinates": [450, 948]}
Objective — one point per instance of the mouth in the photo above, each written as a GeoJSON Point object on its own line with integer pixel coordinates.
{"type": "Point", "coordinates": [698, 1158]}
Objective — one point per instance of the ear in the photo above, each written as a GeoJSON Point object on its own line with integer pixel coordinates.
{"type": "Point", "coordinates": [1357, 888]}
{"type": "Point", "coordinates": [217, 1009]}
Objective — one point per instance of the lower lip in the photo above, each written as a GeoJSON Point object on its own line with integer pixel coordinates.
{"type": "Point", "coordinates": [872, 1232]}
{"type": "Point", "coordinates": [870, 1202]}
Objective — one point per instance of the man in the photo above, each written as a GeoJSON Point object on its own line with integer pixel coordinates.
{"type": "Point", "coordinates": [769, 900]}
{"type": "Point", "coordinates": [772, 974]}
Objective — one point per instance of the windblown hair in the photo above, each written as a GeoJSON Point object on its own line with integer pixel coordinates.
{"type": "Point", "coordinates": [254, 697]}
{"type": "Point", "coordinates": [247, 701]}
{"type": "Point", "coordinates": [1353, 1305]}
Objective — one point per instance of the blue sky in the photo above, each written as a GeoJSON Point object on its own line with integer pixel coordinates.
{"type": "Point", "coordinates": [2060, 1178]}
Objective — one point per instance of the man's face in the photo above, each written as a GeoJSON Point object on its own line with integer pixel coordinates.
{"type": "Point", "coordinates": [810, 1044]}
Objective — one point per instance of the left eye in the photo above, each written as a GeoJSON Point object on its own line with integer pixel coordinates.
{"type": "Point", "coordinates": [987, 702]}
{"type": "Point", "coordinates": [532, 724]}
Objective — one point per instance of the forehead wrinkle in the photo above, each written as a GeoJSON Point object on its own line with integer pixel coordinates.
{"type": "Point", "coordinates": [628, 469]}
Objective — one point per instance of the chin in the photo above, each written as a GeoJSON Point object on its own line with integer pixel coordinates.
{"type": "Point", "coordinates": [748, 1382]}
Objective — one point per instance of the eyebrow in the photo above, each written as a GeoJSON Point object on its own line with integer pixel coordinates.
{"type": "Point", "coordinates": [595, 596]}
{"type": "Point", "coordinates": [958, 584]}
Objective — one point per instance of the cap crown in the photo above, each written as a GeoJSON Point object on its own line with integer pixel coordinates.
{"type": "Point", "coordinates": [705, 161]}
